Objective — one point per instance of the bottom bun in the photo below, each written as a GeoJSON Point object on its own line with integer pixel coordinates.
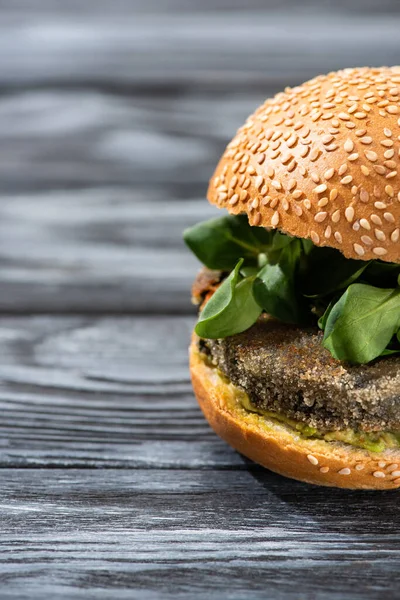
{"type": "Point", "coordinates": [280, 448]}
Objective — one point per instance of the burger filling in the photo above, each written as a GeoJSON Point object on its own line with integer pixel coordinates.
{"type": "Point", "coordinates": [355, 303]}
{"type": "Point", "coordinates": [311, 338]}
{"type": "Point", "coordinates": [285, 374]}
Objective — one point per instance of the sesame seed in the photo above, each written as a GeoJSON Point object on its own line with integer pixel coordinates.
{"type": "Point", "coordinates": [338, 237]}
{"type": "Point", "coordinates": [234, 200]}
{"type": "Point", "coordinates": [304, 151]}
{"type": "Point", "coordinates": [345, 471]}
{"type": "Point", "coordinates": [243, 195]}
{"type": "Point", "coordinates": [274, 203]}
{"type": "Point", "coordinates": [324, 469]}
{"type": "Point", "coordinates": [353, 156]}
{"type": "Point", "coordinates": [379, 251]}
{"type": "Point", "coordinates": [312, 459]}
{"type": "Point", "coordinates": [395, 473]}
{"type": "Point", "coordinates": [358, 249]}
{"type": "Point", "coordinates": [333, 194]}
{"type": "Point", "coordinates": [346, 180]}
{"type": "Point", "coordinates": [336, 216]}
{"type": "Point", "coordinates": [321, 188]}
{"type": "Point", "coordinates": [388, 153]}
{"type": "Point", "coordinates": [359, 467]}
{"type": "Point", "coordinates": [297, 194]}
{"type": "Point", "coordinates": [390, 164]}
{"type": "Point", "coordinates": [396, 481]}
{"type": "Point", "coordinates": [222, 197]}
{"type": "Point", "coordinates": [298, 210]}
{"type": "Point", "coordinates": [276, 184]}
{"type": "Point", "coordinates": [380, 205]}
{"type": "Point", "coordinates": [270, 171]}
{"type": "Point", "coordinates": [379, 169]}
{"type": "Point", "coordinates": [314, 237]}
{"type": "Point", "coordinates": [375, 219]}
{"type": "Point", "coordinates": [349, 213]}
{"type": "Point", "coordinates": [348, 146]}
{"type": "Point", "coordinates": [372, 156]}
{"type": "Point", "coordinates": [395, 235]}
{"type": "Point", "coordinates": [246, 183]}
{"type": "Point", "coordinates": [386, 143]}
{"type": "Point", "coordinates": [315, 177]}
{"type": "Point", "coordinates": [326, 139]}
{"type": "Point", "coordinates": [331, 147]}
{"type": "Point", "coordinates": [366, 139]}
{"type": "Point", "coordinates": [380, 235]}
{"type": "Point", "coordinates": [366, 240]}
{"type": "Point", "coordinates": [323, 202]}
{"type": "Point", "coordinates": [255, 203]}
{"type": "Point", "coordinates": [364, 223]}
{"type": "Point", "coordinates": [392, 467]}
{"type": "Point", "coordinates": [392, 109]}
{"type": "Point", "coordinates": [381, 464]}
{"type": "Point", "coordinates": [388, 217]}
{"type": "Point", "coordinates": [343, 116]}
{"type": "Point", "coordinates": [365, 170]}
{"type": "Point", "coordinates": [387, 132]}
{"type": "Point", "coordinates": [391, 175]}
{"type": "Point", "coordinates": [256, 219]}
{"type": "Point", "coordinates": [389, 190]}
{"type": "Point", "coordinates": [314, 154]}
{"type": "Point", "coordinates": [320, 217]}
{"type": "Point", "coordinates": [285, 204]}
{"type": "Point", "coordinates": [329, 174]}
{"type": "Point", "coordinates": [379, 474]}
{"type": "Point", "coordinates": [258, 181]}
{"type": "Point", "coordinates": [260, 158]}
{"type": "Point", "coordinates": [275, 219]}
{"type": "Point", "coordinates": [342, 169]}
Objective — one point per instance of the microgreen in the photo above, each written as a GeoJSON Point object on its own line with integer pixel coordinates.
{"type": "Point", "coordinates": [356, 303]}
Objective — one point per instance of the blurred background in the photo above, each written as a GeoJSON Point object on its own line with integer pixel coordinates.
{"type": "Point", "coordinates": [113, 116]}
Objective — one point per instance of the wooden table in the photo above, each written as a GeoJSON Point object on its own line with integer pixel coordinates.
{"type": "Point", "coordinates": [112, 116]}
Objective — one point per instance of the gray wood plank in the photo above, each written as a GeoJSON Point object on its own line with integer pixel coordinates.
{"type": "Point", "coordinates": [102, 392]}
{"type": "Point", "coordinates": [78, 138]}
{"type": "Point", "coordinates": [213, 47]}
{"type": "Point", "coordinates": [179, 534]}
{"type": "Point", "coordinates": [109, 250]}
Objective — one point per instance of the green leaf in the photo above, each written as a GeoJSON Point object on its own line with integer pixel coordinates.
{"type": "Point", "coordinates": [323, 319]}
{"type": "Point", "coordinates": [274, 289]}
{"type": "Point", "coordinates": [219, 243]}
{"type": "Point", "coordinates": [231, 309]}
{"type": "Point", "coordinates": [327, 271]}
{"type": "Point", "coordinates": [361, 324]}
{"type": "Point", "coordinates": [389, 352]}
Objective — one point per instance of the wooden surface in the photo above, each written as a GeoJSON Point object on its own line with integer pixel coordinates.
{"type": "Point", "coordinates": [112, 116]}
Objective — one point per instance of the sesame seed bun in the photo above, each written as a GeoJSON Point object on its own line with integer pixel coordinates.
{"type": "Point", "coordinates": [280, 448]}
{"type": "Point", "coordinates": [321, 161]}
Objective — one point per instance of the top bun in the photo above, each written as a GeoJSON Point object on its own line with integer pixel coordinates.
{"type": "Point", "coordinates": [321, 161]}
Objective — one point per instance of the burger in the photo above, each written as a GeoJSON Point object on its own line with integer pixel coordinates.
{"type": "Point", "coordinates": [295, 358]}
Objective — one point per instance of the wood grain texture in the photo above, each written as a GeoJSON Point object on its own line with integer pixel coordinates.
{"type": "Point", "coordinates": [167, 534]}
{"type": "Point", "coordinates": [97, 250]}
{"type": "Point", "coordinates": [112, 117]}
